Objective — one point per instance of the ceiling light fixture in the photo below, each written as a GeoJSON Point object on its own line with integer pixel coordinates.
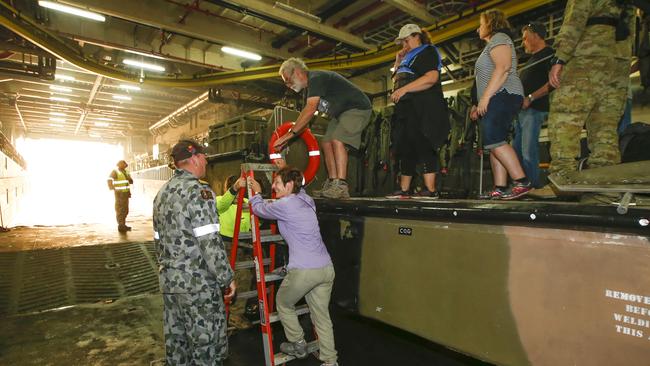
{"type": "Point", "coordinates": [56, 125]}
{"type": "Point", "coordinates": [59, 99]}
{"type": "Point", "coordinates": [241, 53]}
{"type": "Point", "coordinates": [72, 10]}
{"type": "Point", "coordinates": [143, 65]}
{"type": "Point", "coordinates": [130, 87]}
{"type": "Point", "coordinates": [56, 119]}
{"type": "Point", "coordinates": [58, 114]}
{"type": "Point", "coordinates": [64, 77]}
{"type": "Point", "coordinates": [122, 97]}
{"type": "Point", "coordinates": [102, 124]}
{"type": "Point", "coordinates": [60, 88]}
{"type": "Point", "coordinates": [105, 119]}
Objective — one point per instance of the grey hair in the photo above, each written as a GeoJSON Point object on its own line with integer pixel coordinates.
{"type": "Point", "coordinates": [291, 64]}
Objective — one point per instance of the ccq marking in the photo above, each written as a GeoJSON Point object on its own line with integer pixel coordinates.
{"type": "Point", "coordinates": [405, 231]}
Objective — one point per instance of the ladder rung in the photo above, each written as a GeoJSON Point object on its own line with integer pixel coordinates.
{"type": "Point", "coordinates": [276, 238]}
{"type": "Point", "coordinates": [265, 235]}
{"type": "Point", "coordinates": [247, 295]}
{"type": "Point", "coordinates": [300, 310]}
{"type": "Point", "coordinates": [270, 277]}
{"type": "Point", "coordinates": [259, 167]}
{"type": "Point", "coordinates": [273, 317]}
{"type": "Point", "coordinates": [250, 264]}
{"type": "Point", "coordinates": [281, 358]}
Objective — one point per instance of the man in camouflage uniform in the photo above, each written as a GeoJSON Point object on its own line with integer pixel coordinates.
{"type": "Point", "coordinates": [194, 268]}
{"type": "Point", "coordinates": [119, 181]}
{"type": "Point", "coordinates": [626, 51]}
{"type": "Point", "coordinates": [584, 71]}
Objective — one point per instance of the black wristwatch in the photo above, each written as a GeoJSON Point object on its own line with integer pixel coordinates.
{"type": "Point", "coordinates": [557, 61]}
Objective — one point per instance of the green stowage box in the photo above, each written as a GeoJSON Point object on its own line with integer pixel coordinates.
{"type": "Point", "coordinates": [236, 134]}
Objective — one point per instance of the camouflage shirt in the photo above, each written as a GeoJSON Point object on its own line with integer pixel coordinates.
{"type": "Point", "coordinates": [186, 232]}
{"type": "Point", "coordinates": [576, 39]}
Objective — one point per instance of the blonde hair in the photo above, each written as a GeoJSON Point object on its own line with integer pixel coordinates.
{"type": "Point", "coordinates": [291, 64]}
{"type": "Point", "coordinates": [495, 20]}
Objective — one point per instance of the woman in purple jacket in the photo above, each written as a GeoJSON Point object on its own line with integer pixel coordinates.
{"type": "Point", "coordinates": [310, 273]}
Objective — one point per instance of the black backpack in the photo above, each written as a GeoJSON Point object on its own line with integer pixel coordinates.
{"type": "Point", "coordinates": [634, 143]}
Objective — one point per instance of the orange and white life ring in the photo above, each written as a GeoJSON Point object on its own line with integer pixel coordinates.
{"type": "Point", "coordinates": [312, 147]}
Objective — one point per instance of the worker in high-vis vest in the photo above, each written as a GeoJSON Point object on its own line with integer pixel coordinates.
{"type": "Point", "coordinates": [119, 181]}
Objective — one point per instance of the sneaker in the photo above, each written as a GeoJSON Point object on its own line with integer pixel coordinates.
{"type": "Point", "coordinates": [338, 189]}
{"type": "Point", "coordinates": [399, 194]}
{"type": "Point", "coordinates": [295, 349]}
{"type": "Point", "coordinates": [326, 186]}
{"type": "Point", "coordinates": [496, 194]}
{"type": "Point", "coordinates": [427, 194]}
{"type": "Point", "coordinates": [329, 364]}
{"type": "Point", "coordinates": [517, 190]}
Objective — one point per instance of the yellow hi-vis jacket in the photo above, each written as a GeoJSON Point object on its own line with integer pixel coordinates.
{"type": "Point", "coordinates": [121, 181]}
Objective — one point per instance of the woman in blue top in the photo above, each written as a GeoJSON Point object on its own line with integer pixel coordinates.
{"type": "Point", "coordinates": [310, 273]}
{"type": "Point", "coordinates": [420, 121]}
{"type": "Point", "coordinates": [500, 95]}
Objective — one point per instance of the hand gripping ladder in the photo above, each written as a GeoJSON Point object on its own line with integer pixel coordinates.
{"type": "Point", "coordinates": [265, 293]}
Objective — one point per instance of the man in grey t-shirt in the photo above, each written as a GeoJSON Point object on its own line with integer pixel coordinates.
{"type": "Point", "coordinates": [348, 109]}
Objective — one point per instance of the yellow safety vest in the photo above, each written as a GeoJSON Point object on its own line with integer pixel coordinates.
{"type": "Point", "coordinates": [121, 181]}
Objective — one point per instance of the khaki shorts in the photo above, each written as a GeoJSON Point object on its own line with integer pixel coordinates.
{"type": "Point", "coordinates": [348, 127]}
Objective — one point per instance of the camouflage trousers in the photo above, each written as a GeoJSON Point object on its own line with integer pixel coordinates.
{"type": "Point", "coordinates": [244, 280]}
{"type": "Point", "coordinates": [195, 329]}
{"type": "Point", "coordinates": [589, 96]}
{"type": "Point", "coordinates": [121, 207]}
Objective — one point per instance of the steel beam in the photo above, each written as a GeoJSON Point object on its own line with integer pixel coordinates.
{"type": "Point", "coordinates": [269, 10]}
{"type": "Point", "coordinates": [163, 15]}
{"type": "Point", "coordinates": [443, 31]}
{"type": "Point", "coordinates": [20, 115]}
{"type": "Point", "coordinates": [91, 98]}
{"type": "Point", "coordinates": [413, 9]}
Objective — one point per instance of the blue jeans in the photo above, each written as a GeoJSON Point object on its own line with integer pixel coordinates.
{"type": "Point", "coordinates": [526, 141]}
{"type": "Point", "coordinates": [626, 119]}
{"type": "Point", "coordinates": [496, 123]}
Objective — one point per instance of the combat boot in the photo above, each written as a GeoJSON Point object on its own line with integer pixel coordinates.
{"type": "Point", "coordinates": [338, 189]}
{"type": "Point", "coordinates": [326, 185]}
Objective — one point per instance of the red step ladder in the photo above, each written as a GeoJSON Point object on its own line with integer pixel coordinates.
{"type": "Point", "coordinates": [265, 292]}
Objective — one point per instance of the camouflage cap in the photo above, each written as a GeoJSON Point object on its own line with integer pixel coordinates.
{"type": "Point", "coordinates": [185, 149]}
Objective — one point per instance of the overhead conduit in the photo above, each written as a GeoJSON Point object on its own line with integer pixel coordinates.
{"type": "Point", "coordinates": [440, 32]}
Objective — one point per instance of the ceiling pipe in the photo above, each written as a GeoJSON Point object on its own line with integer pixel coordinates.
{"type": "Point", "coordinates": [20, 115]}
{"type": "Point", "coordinates": [193, 104]}
{"type": "Point", "coordinates": [462, 24]}
{"type": "Point", "coordinates": [91, 98]}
